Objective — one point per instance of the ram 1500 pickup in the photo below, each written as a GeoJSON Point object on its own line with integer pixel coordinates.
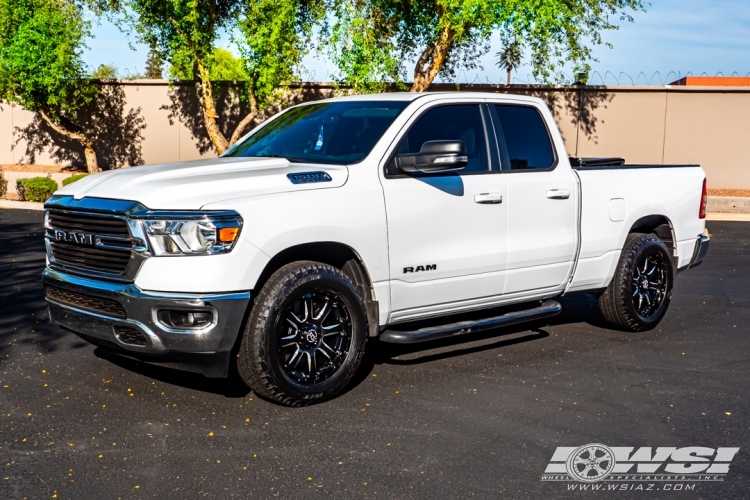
{"type": "Point", "coordinates": [389, 216]}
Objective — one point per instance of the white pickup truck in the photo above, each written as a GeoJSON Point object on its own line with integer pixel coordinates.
{"type": "Point", "coordinates": [387, 216]}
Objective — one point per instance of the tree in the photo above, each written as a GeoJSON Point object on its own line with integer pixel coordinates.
{"type": "Point", "coordinates": [510, 58]}
{"type": "Point", "coordinates": [154, 65]}
{"type": "Point", "coordinates": [105, 72]}
{"type": "Point", "coordinates": [185, 32]}
{"type": "Point", "coordinates": [221, 64]}
{"type": "Point", "coordinates": [442, 35]}
{"type": "Point", "coordinates": [41, 69]}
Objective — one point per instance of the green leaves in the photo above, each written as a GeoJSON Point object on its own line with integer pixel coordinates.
{"type": "Point", "coordinates": [40, 55]}
{"type": "Point", "coordinates": [376, 40]}
{"type": "Point", "coordinates": [273, 37]}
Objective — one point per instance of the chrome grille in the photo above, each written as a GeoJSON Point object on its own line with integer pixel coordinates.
{"type": "Point", "coordinates": [100, 305]}
{"type": "Point", "coordinates": [90, 256]}
{"type": "Point", "coordinates": [88, 223]}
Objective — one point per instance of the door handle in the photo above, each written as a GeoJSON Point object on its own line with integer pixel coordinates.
{"type": "Point", "coordinates": [488, 198]}
{"type": "Point", "coordinates": [558, 194]}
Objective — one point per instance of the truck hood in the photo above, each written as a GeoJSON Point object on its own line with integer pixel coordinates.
{"type": "Point", "coordinates": [189, 185]}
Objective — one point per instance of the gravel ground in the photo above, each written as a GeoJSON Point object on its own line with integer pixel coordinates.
{"type": "Point", "coordinates": [479, 418]}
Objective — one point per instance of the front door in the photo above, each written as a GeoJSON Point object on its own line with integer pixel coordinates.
{"type": "Point", "coordinates": [446, 232]}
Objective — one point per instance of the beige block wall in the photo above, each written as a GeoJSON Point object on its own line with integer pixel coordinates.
{"type": "Point", "coordinates": [161, 141]}
{"type": "Point", "coordinates": [714, 131]}
{"type": "Point", "coordinates": [6, 133]}
{"type": "Point", "coordinates": [709, 126]}
{"type": "Point", "coordinates": [627, 125]}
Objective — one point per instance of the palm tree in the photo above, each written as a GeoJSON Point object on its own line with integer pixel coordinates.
{"type": "Point", "coordinates": [510, 58]}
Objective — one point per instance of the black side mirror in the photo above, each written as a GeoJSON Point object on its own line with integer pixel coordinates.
{"type": "Point", "coordinates": [435, 156]}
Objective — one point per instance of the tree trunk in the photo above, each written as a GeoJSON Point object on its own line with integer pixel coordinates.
{"type": "Point", "coordinates": [431, 60]}
{"type": "Point", "coordinates": [509, 75]}
{"type": "Point", "coordinates": [247, 120]}
{"type": "Point", "coordinates": [209, 110]}
{"type": "Point", "coordinates": [88, 147]}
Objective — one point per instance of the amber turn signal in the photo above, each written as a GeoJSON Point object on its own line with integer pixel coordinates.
{"type": "Point", "coordinates": [228, 234]}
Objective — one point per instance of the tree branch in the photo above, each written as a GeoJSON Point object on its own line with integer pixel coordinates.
{"type": "Point", "coordinates": [247, 120]}
{"type": "Point", "coordinates": [88, 147]}
{"type": "Point", "coordinates": [209, 109]}
{"type": "Point", "coordinates": [432, 59]}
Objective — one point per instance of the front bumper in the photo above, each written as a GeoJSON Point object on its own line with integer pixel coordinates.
{"type": "Point", "coordinates": [206, 350]}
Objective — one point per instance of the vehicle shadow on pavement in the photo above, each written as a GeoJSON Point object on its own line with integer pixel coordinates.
{"type": "Point", "coordinates": [230, 387]}
{"type": "Point", "coordinates": [578, 308]}
{"type": "Point", "coordinates": [23, 312]}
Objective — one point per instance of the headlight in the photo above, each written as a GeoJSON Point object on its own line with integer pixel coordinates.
{"type": "Point", "coordinates": [194, 236]}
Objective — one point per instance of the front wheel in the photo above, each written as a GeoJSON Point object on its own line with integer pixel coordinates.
{"type": "Point", "coordinates": [305, 337]}
{"type": "Point", "coordinates": [638, 296]}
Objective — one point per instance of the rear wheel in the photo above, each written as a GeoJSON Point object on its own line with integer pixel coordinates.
{"type": "Point", "coordinates": [305, 336]}
{"type": "Point", "coordinates": [638, 296]}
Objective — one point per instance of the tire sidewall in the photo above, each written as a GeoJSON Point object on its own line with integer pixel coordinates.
{"type": "Point", "coordinates": [289, 291]}
{"type": "Point", "coordinates": [645, 245]}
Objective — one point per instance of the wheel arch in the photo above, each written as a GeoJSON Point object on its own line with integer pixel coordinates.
{"type": "Point", "coordinates": [661, 226]}
{"type": "Point", "coordinates": [336, 254]}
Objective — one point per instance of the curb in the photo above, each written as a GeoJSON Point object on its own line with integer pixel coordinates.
{"type": "Point", "coordinates": [729, 204]}
{"type": "Point", "coordinates": [728, 217]}
{"type": "Point", "coordinates": [24, 205]}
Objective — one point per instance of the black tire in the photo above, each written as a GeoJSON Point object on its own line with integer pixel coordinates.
{"type": "Point", "coordinates": [279, 326]}
{"type": "Point", "coordinates": [638, 296]}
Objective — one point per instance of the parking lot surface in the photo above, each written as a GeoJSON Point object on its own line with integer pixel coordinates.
{"type": "Point", "coordinates": [479, 418]}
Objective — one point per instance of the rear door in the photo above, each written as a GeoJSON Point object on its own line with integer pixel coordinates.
{"type": "Point", "coordinates": [446, 232]}
{"type": "Point", "coordinates": [542, 200]}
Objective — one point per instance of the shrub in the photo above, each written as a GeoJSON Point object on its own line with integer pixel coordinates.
{"type": "Point", "coordinates": [36, 188]}
{"type": "Point", "coordinates": [73, 178]}
{"type": "Point", "coordinates": [3, 185]}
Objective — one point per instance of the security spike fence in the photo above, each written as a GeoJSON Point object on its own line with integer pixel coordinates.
{"type": "Point", "coordinates": [605, 78]}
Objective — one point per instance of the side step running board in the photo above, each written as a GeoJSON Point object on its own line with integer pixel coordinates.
{"type": "Point", "coordinates": [544, 310]}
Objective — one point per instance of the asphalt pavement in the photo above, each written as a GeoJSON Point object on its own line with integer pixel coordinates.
{"type": "Point", "coordinates": [477, 417]}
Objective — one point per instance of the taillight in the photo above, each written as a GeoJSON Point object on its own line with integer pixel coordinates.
{"type": "Point", "coordinates": [704, 201]}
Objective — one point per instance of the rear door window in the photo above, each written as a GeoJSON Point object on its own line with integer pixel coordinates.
{"type": "Point", "coordinates": [522, 138]}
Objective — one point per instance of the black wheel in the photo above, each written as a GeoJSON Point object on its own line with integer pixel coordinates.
{"type": "Point", "coordinates": [305, 336]}
{"type": "Point", "coordinates": [638, 295]}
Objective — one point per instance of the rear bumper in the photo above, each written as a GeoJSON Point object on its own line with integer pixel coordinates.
{"type": "Point", "coordinates": [133, 328]}
{"type": "Point", "coordinates": [699, 253]}
{"type": "Point", "coordinates": [701, 249]}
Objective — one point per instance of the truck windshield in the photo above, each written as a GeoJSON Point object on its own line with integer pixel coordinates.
{"type": "Point", "coordinates": [333, 132]}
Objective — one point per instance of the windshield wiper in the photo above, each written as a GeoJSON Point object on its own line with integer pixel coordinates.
{"type": "Point", "coordinates": [289, 158]}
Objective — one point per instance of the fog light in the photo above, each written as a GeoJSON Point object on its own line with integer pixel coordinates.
{"type": "Point", "coordinates": [186, 319]}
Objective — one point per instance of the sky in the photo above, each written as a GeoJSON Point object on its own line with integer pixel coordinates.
{"type": "Point", "coordinates": [671, 39]}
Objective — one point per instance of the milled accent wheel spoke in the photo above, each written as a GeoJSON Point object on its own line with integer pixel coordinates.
{"type": "Point", "coordinates": [323, 352]}
{"type": "Point", "coordinates": [308, 308]}
{"type": "Point", "coordinates": [310, 362]}
{"type": "Point", "coordinates": [323, 312]}
{"type": "Point", "coordinates": [296, 353]}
